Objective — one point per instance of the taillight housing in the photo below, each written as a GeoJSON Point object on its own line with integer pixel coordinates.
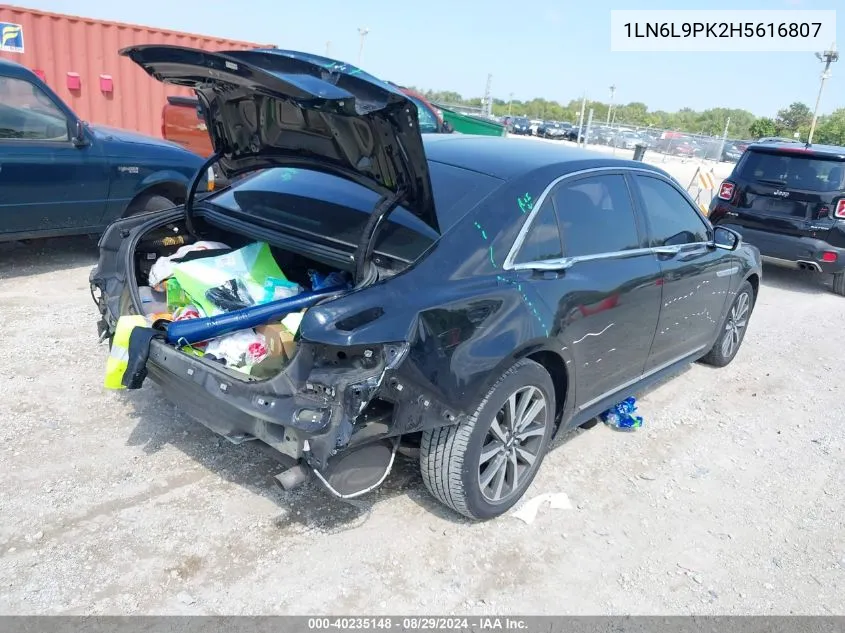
{"type": "Point", "coordinates": [726, 190]}
{"type": "Point", "coordinates": [840, 209]}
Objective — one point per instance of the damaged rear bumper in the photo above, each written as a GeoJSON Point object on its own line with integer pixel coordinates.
{"type": "Point", "coordinates": [310, 411]}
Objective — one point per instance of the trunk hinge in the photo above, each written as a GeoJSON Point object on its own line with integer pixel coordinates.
{"type": "Point", "coordinates": [192, 192]}
{"type": "Point", "coordinates": [366, 244]}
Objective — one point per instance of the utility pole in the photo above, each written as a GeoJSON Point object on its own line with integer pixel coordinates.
{"type": "Point", "coordinates": [581, 119]}
{"type": "Point", "coordinates": [589, 123]}
{"type": "Point", "coordinates": [724, 138]}
{"type": "Point", "coordinates": [510, 100]}
{"type": "Point", "coordinates": [328, 48]}
{"type": "Point", "coordinates": [610, 107]}
{"type": "Point", "coordinates": [487, 104]}
{"type": "Point", "coordinates": [362, 32]}
{"type": "Point", "coordinates": [828, 57]}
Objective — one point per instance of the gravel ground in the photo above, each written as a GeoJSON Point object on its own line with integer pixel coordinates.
{"type": "Point", "coordinates": [728, 501]}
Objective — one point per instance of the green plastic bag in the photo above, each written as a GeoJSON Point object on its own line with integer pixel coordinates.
{"type": "Point", "coordinates": [176, 297]}
{"type": "Point", "coordinates": [250, 265]}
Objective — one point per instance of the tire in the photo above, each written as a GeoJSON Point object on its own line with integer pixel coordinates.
{"type": "Point", "coordinates": [839, 284]}
{"type": "Point", "coordinates": [733, 328]}
{"type": "Point", "coordinates": [149, 204]}
{"type": "Point", "coordinates": [451, 456]}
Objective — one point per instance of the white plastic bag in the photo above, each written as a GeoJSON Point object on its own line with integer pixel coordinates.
{"type": "Point", "coordinates": [163, 267]}
{"type": "Point", "coordinates": [240, 349]}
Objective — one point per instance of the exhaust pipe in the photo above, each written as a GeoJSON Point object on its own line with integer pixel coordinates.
{"type": "Point", "coordinates": [804, 265]}
{"type": "Point", "coordinates": [293, 477]}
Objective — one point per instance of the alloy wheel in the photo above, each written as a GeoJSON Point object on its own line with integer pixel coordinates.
{"type": "Point", "coordinates": [737, 320]}
{"type": "Point", "coordinates": [512, 445]}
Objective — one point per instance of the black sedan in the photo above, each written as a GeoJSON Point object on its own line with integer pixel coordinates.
{"type": "Point", "coordinates": [554, 130]}
{"type": "Point", "coordinates": [500, 291]}
{"type": "Point", "coordinates": [519, 126]}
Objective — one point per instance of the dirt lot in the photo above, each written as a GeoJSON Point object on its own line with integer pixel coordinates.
{"type": "Point", "coordinates": [729, 500]}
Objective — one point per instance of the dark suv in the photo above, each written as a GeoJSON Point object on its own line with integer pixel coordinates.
{"type": "Point", "coordinates": [789, 201]}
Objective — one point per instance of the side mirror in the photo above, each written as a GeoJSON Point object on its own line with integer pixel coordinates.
{"type": "Point", "coordinates": [79, 138]}
{"type": "Point", "coordinates": [726, 239]}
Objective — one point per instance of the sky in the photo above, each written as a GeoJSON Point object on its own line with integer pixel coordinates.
{"type": "Point", "coordinates": [533, 48]}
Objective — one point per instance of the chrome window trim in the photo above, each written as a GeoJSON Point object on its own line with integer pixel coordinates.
{"type": "Point", "coordinates": [566, 262]}
{"type": "Point", "coordinates": [563, 263]}
{"type": "Point", "coordinates": [523, 232]}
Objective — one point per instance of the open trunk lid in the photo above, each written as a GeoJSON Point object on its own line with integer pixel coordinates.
{"type": "Point", "coordinates": [267, 108]}
{"type": "Point", "coordinates": [788, 190]}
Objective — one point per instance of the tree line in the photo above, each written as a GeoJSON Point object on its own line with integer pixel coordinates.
{"type": "Point", "coordinates": [830, 129]}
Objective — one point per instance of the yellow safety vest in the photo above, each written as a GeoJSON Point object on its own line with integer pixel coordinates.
{"type": "Point", "coordinates": [118, 359]}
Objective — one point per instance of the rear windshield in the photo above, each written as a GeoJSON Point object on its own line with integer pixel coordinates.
{"type": "Point", "coordinates": [795, 171]}
{"type": "Point", "coordinates": [326, 206]}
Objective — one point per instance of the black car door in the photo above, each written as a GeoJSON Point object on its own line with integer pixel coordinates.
{"type": "Point", "coordinates": [696, 276]}
{"type": "Point", "coordinates": [585, 254]}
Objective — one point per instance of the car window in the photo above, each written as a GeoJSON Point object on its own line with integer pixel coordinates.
{"type": "Point", "coordinates": [331, 207]}
{"type": "Point", "coordinates": [543, 239]}
{"type": "Point", "coordinates": [596, 216]}
{"type": "Point", "coordinates": [27, 113]}
{"type": "Point", "coordinates": [672, 219]}
{"type": "Point", "coordinates": [428, 122]}
{"type": "Point", "coordinates": [794, 171]}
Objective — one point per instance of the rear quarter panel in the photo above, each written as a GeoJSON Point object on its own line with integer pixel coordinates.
{"type": "Point", "coordinates": [464, 318]}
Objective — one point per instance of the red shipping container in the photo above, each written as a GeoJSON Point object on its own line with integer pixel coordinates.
{"type": "Point", "coordinates": [76, 51]}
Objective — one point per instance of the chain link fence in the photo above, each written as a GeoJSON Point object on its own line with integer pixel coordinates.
{"type": "Point", "coordinates": [667, 142]}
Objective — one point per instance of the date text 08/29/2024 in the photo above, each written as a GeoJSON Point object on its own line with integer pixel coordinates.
{"type": "Point", "coordinates": [420, 623]}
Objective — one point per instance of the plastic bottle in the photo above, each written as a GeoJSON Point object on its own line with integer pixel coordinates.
{"type": "Point", "coordinates": [621, 416]}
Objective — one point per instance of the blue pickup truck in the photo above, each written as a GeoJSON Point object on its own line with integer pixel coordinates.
{"type": "Point", "coordinates": [62, 176]}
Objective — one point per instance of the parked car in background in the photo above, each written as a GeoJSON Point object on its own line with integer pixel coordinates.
{"type": "Point", "coordinates": [789, 202]}
{"type": "Point", "coordinates": [554, 130]}
{"type": "Point", "coordinates": [685, 147]}
{"type": "Point", "coordinates": [520, 126]}
{"type": "Point", "coordinates": [776, 139]}
{"type": "Point", "coordinates": [183, 123]}
{"type": "Point", "coordinates": [627, 140]}
{"type": "Point", "coordinates": [576, 135]}
{"type": "Point", "coordinates": [62, 176]}
{"type": "Point", "coordinates": [534, 125]}
{"type": "Point", "coordinates": [602, 134]}
{"type": "Point", "coordinates": [604, 259]}
{"type": "Point", "coordinates": [430, 117]}
{"type": "Point", "coordinates": [651, 135]}
{"type": "Point", "coordinates": [731, 153]}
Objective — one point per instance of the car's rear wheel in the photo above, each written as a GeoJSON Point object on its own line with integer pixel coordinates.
{"type": "Point", "coordinates": [481, 467]}
{"type": "Point", "coordinates": [839, 284]}
{"type": "Point", "coordinates": [148, 204]}
{"type": "Point", "coordinates": [733, 328]}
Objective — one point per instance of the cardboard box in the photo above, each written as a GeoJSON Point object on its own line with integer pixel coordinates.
{"type": "Point", "coordinates": [279, 340]}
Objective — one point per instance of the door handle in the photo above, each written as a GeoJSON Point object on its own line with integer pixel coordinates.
{"type": "Point", "coordinates": [666, 250]}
